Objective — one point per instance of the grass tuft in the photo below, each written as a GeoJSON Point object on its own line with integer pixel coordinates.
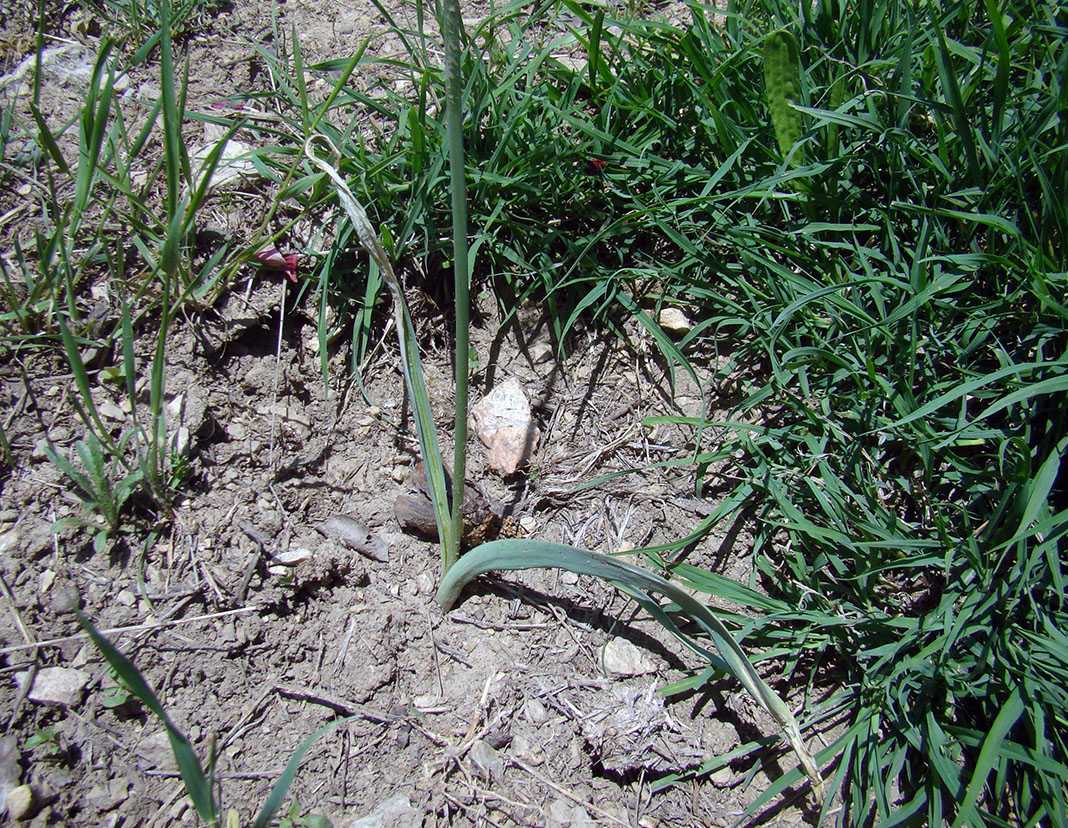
{"type": "Point", "coordinates": [864, 218]}
{"type": "Point", "coordinates": [891, 299]}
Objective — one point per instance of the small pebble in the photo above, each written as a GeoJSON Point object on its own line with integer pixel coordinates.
{"type": "Point", "coordinates": [45, 580]}
{"type": "Point", "coordinates": [109, 795]}
{"type": "Point", "coordinates": [486, 761]}
{"type": "Point", "coordinates": [20, 802]}
{"type": "Point", "coordinates": [110, 411]}
{"type": "Point", "coordinates": [353, 534]}
{"type": "Point", "coordinates": [55, 685]}
{"type": "Point", "coordinates": [673, 321]}
{"type": "Point", "coordinates": [534, 711]}
{"type": "Point", "coordinates": [541, 352]}
{"type": "Point", "coordinates": [40, 451]}
{"type": "Point", "coordinates": [292, 557]}
{"type": "Point", "coordinates": [424, 583]}
{"type": "Point", "coordinates": [621, 658]}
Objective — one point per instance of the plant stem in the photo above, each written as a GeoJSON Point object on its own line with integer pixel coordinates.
{"type": "Point", "coordinates": [450, 28]}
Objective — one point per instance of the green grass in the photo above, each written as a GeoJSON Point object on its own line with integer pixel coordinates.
{"type": "Point", "coordinates": [886, 276]}
{"type": "Point", "coordinates": [200, 784]}
{"type": "Point", "coordinates": [893, 293]}
{"type": "Point", "coordinates": [113, 212]}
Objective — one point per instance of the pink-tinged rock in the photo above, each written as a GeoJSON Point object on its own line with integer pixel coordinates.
{"type": "Point", "coordinates": [504, 424]}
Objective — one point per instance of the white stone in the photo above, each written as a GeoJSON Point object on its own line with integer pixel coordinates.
{"type": "Point", "coordinates": [149, 91]}
{"type": "Point", "coordinates": [233, 166]}
{"type": "Point", "coordinates": [10, 771]}
{"type": "Point", "coordinates": [574, 63]}
{"type": "Point", "coordinates": [175, 408]}
{"type": "Point", "coordinates": [56, 685]}
{"type": "Point", "coordinates": [673, 321]}
{"type": "Point", "coordinates": [20, 802]}
{"type": "Point", "coordinates": [430, 703]}
{"type": "Point", "coordinates": [110, 411]}
{"type": "Point", "coordinates": [180, 442]}
{"type": "Point", "coordinates": [560, 813]}
{"type": "Point", "coordinates": [395, 812]}
{"type": "Point", "coordinates": [69, 64]}
{"type": "Point", "coordinates": [292, 557]}
{"type": "Point", "coordinates": [621, 658]}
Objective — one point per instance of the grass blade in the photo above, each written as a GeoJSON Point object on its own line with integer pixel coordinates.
{"type": "Point", "coordinates": [454, 98]}
{"type": "Point", "coordinates": [638, 583]}
{"type": "Point", "coordinates": [990, 755]}
{"type": "Point", "coordinates": [281, 787]}
{"type": "Point", "coordinates": [410, 360]}
{"type": "Point", "coordinates": [193, 776]}
{"type": "Point", "coordinates": [83, 402]}
{"type": "Point", "coordinates": [951, 89]}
